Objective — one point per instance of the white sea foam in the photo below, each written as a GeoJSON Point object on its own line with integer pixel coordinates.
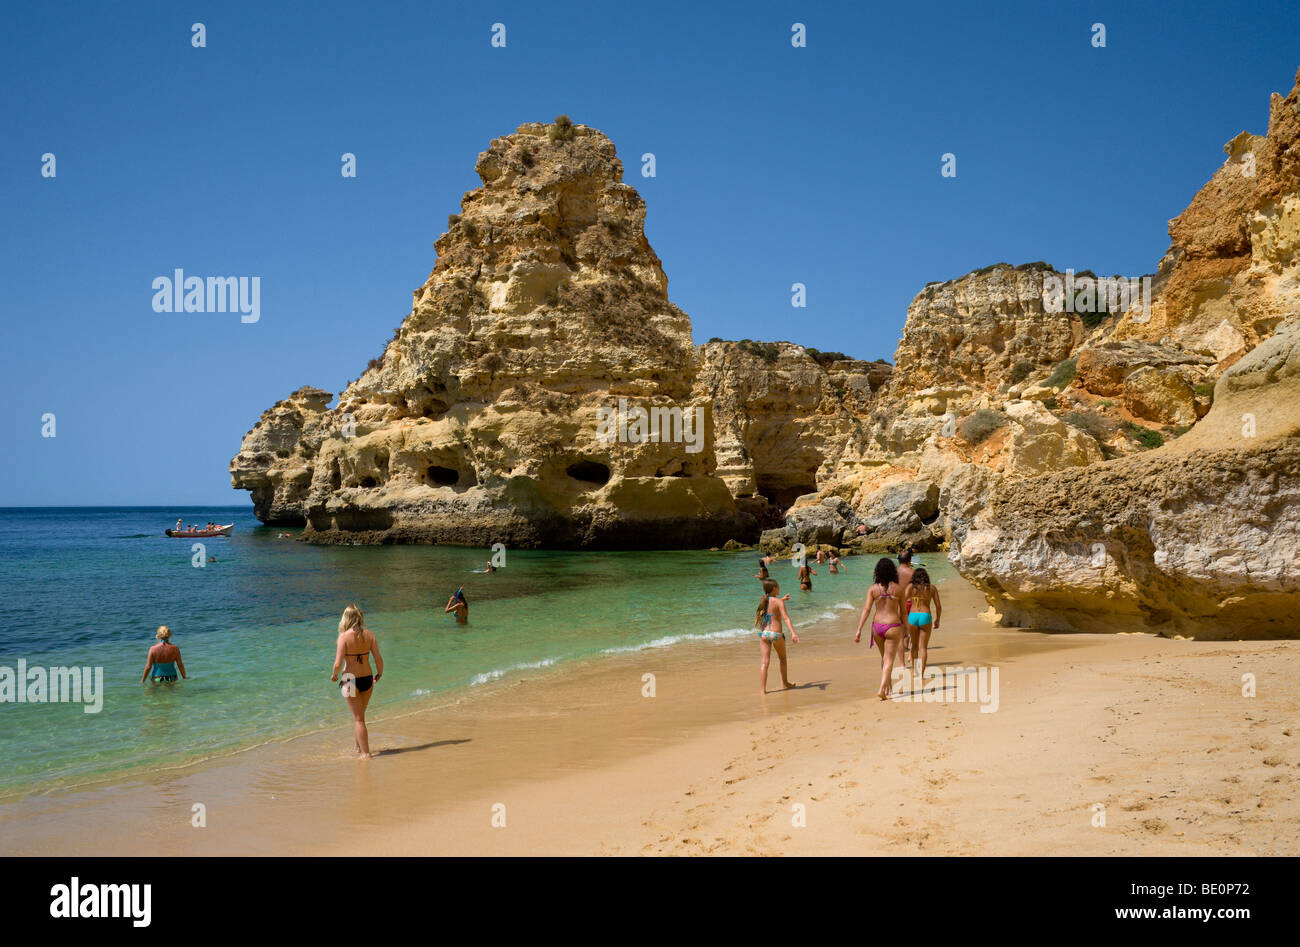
{"type": "Point", "coordinates": [670, 640]}
{"type": "Point", "coordinates": [840, 606]}
{"type": "Point", "coordinates": [497, 673]}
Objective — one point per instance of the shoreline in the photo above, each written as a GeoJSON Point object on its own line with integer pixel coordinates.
{"type": "Point", "coordinates": [584, 764]}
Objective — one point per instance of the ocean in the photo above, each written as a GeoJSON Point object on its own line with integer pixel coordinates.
{"type": "Point", "coordinates": [88, 587]}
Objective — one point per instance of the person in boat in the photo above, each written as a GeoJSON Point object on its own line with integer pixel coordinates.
{"type": "Point", "coordinates": [356, 643]}
{"type": "Point", "coordinates": [459, 605]}
{"type": "Point", "coordinates": [163, 660]}
{"type": "Point", "coordinates": [178, 528]}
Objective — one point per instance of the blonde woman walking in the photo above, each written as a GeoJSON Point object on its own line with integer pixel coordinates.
{"type": "Point", "coordinates": [356, 643]}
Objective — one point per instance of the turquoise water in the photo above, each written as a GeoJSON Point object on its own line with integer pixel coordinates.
{"type": "Point", "coordinates": [257, 628]}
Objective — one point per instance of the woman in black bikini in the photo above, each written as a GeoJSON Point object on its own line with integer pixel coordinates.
{"type": "Point", "coordinates": [806, 572]}
{"type": "Point", "coordinates": [355, 645]}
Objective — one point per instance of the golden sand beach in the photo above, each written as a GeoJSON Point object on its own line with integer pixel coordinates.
{"type": "Point", "coordinates": [1099, 745]}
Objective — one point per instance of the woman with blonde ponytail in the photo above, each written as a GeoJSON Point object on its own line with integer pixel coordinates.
{"type": "Point", "coordinates": [356, 643]}
{"type": "Point", "coordinates": [163, 660]}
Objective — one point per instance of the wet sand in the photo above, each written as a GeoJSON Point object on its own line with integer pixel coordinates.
{"type": "Point", "coordinates": [578, 761]}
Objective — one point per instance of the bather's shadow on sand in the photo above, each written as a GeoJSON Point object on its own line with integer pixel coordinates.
{"type": "Point", "coordinates": [393, 751]}
{"type": "Point", "coordinates": [820, 685]}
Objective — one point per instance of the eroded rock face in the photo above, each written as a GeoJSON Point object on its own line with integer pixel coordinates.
{"type": "Point", "coordinates": [785, 423]}
{"type": "Point", "coordinates": [978, 328]}
{"type": "Point", "coordinates": [1232, 272]}
{"type": "Point", "coordinates": [479, 423]}
{"type": "Point", "coordinates": [276, 458]}
{"type": "Point", "coordinates": [1041, 442]}
{"type": "Point", "coordinates": [1200, 537]}
{"type": "Point", "coordinates": [1102, 368]}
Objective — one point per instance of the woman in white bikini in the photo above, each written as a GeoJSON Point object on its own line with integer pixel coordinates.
{"type": "Point", "coordinates": [768, 618]}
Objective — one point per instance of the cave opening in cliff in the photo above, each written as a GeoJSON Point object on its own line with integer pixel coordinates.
{"type": "Point", "coordinates": [442, 476]}
{"type": "Point", "coordinates": [781, 491]}
{"type": "Point", "coordinates": [369, 483]}
{"type": "Point", "coordinates": [588, 471]}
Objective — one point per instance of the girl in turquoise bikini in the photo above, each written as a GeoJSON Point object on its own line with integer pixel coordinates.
{"type": "Point", "coordinates": [768, 618]}
{"type": "Point", "coordinates": [923, 600]}
{"type": "Point", "coordinates": [164, 658]}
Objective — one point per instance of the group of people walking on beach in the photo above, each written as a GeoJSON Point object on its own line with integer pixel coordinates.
{"type": "Point", "coordinates": [903, 604]}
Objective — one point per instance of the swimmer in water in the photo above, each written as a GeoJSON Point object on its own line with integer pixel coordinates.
{"type": "Point", "coordinates": [821, 555]}
{"type": "Point", "coordinates": [762, 568]}
{"type": "Point", "coordinates": [163, 660]}
{"type": "Point", "coordinates": [806, 573]}
{"type": "Point", "coordinates": [770, 615]}
{"type": "Point", "coordinates": [460, 605]}
{"type": "Point", "coordinates": [837, 564]}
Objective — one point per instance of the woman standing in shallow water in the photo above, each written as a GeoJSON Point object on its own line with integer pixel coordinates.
{"type": "Point", "coordinates": [887, 623]}
{"type": "Point", "coordinates": [163, 660]}
{"type": "Point", "coordinates": [768, 618]}
{"type": "Point", "coordinates": [355, 645]}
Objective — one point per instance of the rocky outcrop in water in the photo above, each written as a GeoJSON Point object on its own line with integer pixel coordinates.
{"type": "Point", "coordinates": [275, 460]}
{"type": "Point", "coordinates": [547, 314]}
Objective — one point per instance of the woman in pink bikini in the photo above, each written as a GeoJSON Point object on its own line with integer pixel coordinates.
{"type": "Point", "coordinates": [886, 623]}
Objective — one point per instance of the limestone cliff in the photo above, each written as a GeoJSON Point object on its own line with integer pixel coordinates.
{"type": "Point", "coordinates": [1200, 536]}
{"type": "Point", "coordinates": [1232, 272]}
{"type": "Point", "coordinates": [976, 330]}
{"type": "Point", "coordinates": [275, 460]}
{"type": "Point", "coordinates": [786, 420]}
{"type": "Point", "coordinates": [481, 421]}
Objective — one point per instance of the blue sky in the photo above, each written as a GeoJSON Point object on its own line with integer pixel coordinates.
{"type": "Point", "coordinates": [775, 165]}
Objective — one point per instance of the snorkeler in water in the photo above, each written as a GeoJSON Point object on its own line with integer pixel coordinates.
{"type": "Point", "coordinates": [459, 605]}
